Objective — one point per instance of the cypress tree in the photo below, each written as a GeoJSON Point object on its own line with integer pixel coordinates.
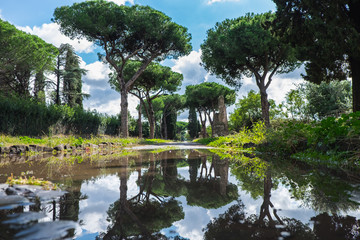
{"type": "Point", "coordinates": [39, 87]}
{"type": "Point", "coordinates": [72, 84]}
{"type": "Point", "coordinates": [193, 123]}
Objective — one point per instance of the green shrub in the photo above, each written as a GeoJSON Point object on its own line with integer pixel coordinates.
{"type": "Point", "coordinates": [27, 117]}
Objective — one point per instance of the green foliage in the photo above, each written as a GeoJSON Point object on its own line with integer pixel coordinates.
{"type": "Point", "coordinates": [181, 129]}
{"type": "Point", "coordinates": [22, 56]}
{"type": "Point", "coordinates": [332, 141]}
{"type": "Point", "coordinates": [326, 35]}
{"type": "Point", "coordinates": [32, 118]}
{"type": "Point", "coordinates": [28, 140]}
{"type": "Point", "coordinates": [246, 46]}
{"type": "Point", "coordinates": [248, 111]}
{"type": "Point", "coordinates": [154, 141]}
{"type": "Point", "coordinates": [295, 104]}
{"type": "Point", "coordinates": [204, 98]}
{"type": "Point", "coordinates": [205, 95]}
{"type": "Point", "coordinates": [328, 99]}
{"type": "Point", "coordinates": [125, 33]}
{"type": "Point", "coordinates": [72, 83]}
{"type": "Point", "coordinates": [256, 135]}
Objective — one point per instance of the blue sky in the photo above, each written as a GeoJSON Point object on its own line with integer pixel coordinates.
{"type": "Point", "coordinates": [197, 15]}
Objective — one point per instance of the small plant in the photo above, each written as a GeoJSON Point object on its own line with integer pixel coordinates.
{"type": "Point", "coordinates": [22, 180]}
{"type": "Point", "coordinates": [79, 141]}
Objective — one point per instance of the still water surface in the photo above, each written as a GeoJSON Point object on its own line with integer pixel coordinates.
{"type": "Point", "coordinates": [179, 194]}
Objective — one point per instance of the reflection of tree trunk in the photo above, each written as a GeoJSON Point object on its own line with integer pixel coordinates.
{"type": "Point", "coordinates": [203, 166]}
{"type": "Point", "coordinates": [54, 209]}
{"type": "Point", "coordinates": [117, 230]}
{"type": "Point", "coordinates": [194, 164]}
{"type": "Point", "coordinates": [69, 204]}
{"type": "Point", "coordinates": [150, 177]}
{"type": "Point", "coordinates": [264, 210]}
{"type": "Point", "coordinates": [221, 170]}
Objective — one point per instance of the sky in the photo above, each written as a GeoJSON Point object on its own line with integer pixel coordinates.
{"type": "Point", "coordinates": [196, 15]}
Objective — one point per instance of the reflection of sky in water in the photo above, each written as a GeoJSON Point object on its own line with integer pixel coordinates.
{"type": "Point", "coordinates": [104, 191]}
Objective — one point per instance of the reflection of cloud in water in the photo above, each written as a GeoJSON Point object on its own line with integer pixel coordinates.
{"type": "Point", "coordinates": [288, 206]}
{"type": "Point", "coordinates": [196, 219]}
{"type": "Point", "coordinates": [184, 172]}
{"type": "Point", "coordinates": [93, 210]}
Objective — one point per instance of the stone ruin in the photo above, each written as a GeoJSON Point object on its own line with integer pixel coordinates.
{"type": "Point", "coordinates": [220, 125]}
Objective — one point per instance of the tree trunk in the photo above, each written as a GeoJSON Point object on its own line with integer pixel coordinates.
{"type": "Point", "coordinates": [165, 127]}
{"type": "Point", "coordinates": [355, 72]}
{"type": "Point", "coordinates": [151, 120]}
{"type": "Point", "coordinates": [139, 121]}
{"type": "Point", "coordinates": [265, 106]}
{"type": "Point", "coordinates": [124, 113]}
{"type": "Point", "coordinates": [58, 76]}
{"type": "Point", "coordinates": [211, 122]}
{"type": "Point", "coordinates": [203, 125]}
{"type": "Point", "coordinates": [354, 58]}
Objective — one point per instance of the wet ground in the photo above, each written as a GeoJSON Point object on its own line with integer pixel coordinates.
{"type": "Point", "coordinates": [176, 191]}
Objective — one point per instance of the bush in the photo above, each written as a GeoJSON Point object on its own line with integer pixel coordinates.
{"type": "Point", "coordinates": [28, 117]}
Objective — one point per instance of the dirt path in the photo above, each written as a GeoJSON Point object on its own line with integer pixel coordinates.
{"type": "Point", "coordinates": [177, 145]}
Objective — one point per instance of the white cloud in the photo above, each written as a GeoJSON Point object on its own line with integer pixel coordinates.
{"type": "Point", "coordinates": [121, 2]}
{"type": "Point", "coordinates": [103, 98]}
{"type": "Point", "coordinates": [209, 2]}
{"type": "Point", "coordinates": [190, 67]}
{"type": "Point", "coordinates": [279, 87]}
{"type": "Point", "coordinates": [50, 33]}
{"type": "Point", "coordinates": [97, 71]}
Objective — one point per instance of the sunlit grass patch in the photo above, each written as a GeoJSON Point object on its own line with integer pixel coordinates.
{"type": "Point", "coordinates": [154, 141]}
{"type": "Point", "coordinates": [72, 140]}
{"type": "Point", "coordinates": [23, 180]}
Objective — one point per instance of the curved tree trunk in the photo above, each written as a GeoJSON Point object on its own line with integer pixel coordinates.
{"type": "Point", "coordinates": [124, 131]}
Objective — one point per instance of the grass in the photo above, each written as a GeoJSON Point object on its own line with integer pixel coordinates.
{"type": "Point", "coordinates": [154, 141]}
{"type": "Point", "coordinates": [7, 141]}
{"type": "Point", "coordinates": [22, 180]}
{"type": "Point", "coordinates": [256, 135]}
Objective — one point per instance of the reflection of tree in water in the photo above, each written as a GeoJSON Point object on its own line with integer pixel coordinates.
{"type": "Point", "coordinates": [322, 192]}
{"type": "Point", "coordinates": [208, 186]}
{"type": "Point", "coordinates": [211, 189]}
{"type": "Point", "coordinates": [69, 203]}
{"type": "Point", "coordinates": [234, 224]}
{"type": "Point", "coordinates": [336, 227]}
{"type": "Point", "coordinates": [143, 214]}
